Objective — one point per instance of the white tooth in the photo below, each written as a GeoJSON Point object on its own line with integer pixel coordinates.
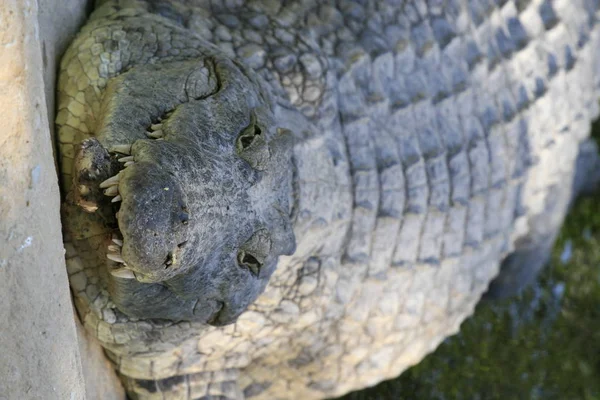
{"type": "Point", "coordinates": [128, 163]}
{"type": "Point", "coordinates": [121, 148]}
{"type": "Point", "coordinates": [116, 198]}
{"type": "Point", "coordinates": [125, 159]}
{"type": "Point", "coordinates": [118, 242]}
{"type": "Point", "coordinates": [114, 247]}
{"type": "Point", "coordinates": [112, 191]}
{"type": "Point", "coordinates": [122, 273]}
{"type": "Point", "coordinates": [156, 127]}
{"type": "Point", "coordinates": [155, 134]}
{"type": "Point", "coordinates": [113, 180]}
{"type": "Point", "coordinates": [161, 138]}
{"type": "Point", "coordinates": [115, 257]}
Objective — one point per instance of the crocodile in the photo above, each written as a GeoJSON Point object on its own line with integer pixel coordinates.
{"type": "Point", "coordinates": [297, 199]}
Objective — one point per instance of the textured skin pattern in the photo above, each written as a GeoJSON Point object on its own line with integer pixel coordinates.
{"type": "Point", "coordinates": [432, 139]}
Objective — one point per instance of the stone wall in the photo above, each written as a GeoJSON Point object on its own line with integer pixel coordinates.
{"type": "Point", "coordinates": [45, 353]}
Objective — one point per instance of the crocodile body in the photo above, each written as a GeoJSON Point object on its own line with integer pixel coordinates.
{"type": "Point", "coordinates": [351, 175]}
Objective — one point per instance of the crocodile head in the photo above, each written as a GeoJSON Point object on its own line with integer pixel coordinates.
{"type": "Point", "coordinates": [195, 177]}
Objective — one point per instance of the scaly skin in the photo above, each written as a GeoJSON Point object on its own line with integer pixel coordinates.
{"type": "Point", "coordinates": [396, 153]}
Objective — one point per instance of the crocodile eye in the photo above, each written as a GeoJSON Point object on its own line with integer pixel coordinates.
{"type": "Point", "coordinates": [248, 261]}
{"type": "Point", "coordinates": [253, 254]}
{"type": "Point", "coordinates": [251, 145]}
{"type": "Point", "coordinates": [247, 138]}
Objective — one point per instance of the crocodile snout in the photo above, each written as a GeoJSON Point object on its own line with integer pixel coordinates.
{"type": "Point", "coordinates": [153, 220]}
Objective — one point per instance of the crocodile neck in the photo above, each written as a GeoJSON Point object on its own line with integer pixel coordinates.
{"type": "Point", "coordinates": [322, 196]}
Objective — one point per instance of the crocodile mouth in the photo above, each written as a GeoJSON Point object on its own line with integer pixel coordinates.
{"type": "Point", "coordinates": [113, 252]}
{"type": "Point", "coordinates": [113, 189]}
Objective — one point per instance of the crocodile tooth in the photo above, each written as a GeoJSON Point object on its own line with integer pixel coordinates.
{"type": "Point", "coordinates": [128, 163]}
{"type": "Point", "coordinates": [115, 257]}
{"type": "Point", "coordinates": [121, 148]}
{"type": "Point", "coordinates": [124, 273]}
{"type": "Point", "coordinates": [156, 127]}
{"type": "Point", "coordinates": [155, 134]}
{"type": "Point", "coordinates": [126, 159]}
{"type": "Point", "coordinates": [118, 242]}
{"type": "Point", "coordinates": [112, 181]}
{"type": "Point", "coordinates": [84, 190]}
{"type": "Point", "coordinates": [114, 247]}
{"type": "Point", "coordinates": [116, 198]}
{"type": "Point", "coordinates": [112, 191]}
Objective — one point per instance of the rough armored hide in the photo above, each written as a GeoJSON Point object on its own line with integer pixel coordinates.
{"type": "Point", "coordinates": [350, 173]}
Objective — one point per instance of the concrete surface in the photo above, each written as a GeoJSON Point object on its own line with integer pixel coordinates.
{"type": "Point", "coordinates": [45, 354]}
